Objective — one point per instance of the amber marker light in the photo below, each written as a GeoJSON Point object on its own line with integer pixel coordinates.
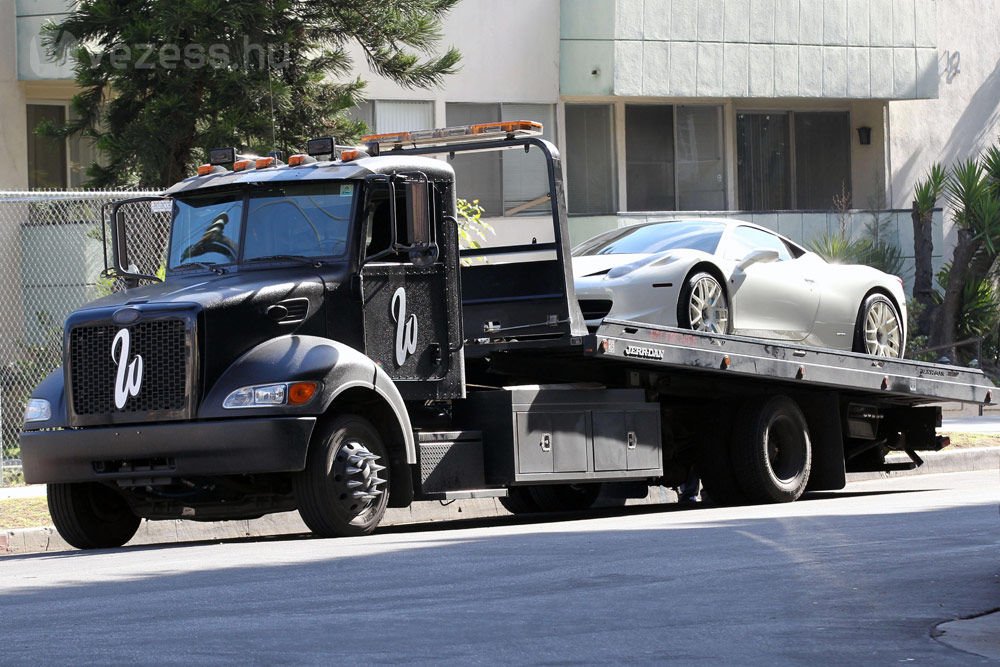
{"type": "Point", "coordinates": [300, 393]}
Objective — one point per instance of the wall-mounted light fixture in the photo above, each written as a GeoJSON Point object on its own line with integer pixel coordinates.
{"type": "Point", "coordinates": [865, 135]}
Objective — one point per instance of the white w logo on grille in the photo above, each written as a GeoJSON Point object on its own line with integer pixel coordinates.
{"type": "Point", "coordinates": [128, 380]}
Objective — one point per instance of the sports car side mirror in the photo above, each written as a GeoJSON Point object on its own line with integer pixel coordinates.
{"type": "Point", "coordinates": [755, 256]}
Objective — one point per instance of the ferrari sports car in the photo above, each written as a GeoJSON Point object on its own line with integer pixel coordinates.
{"type": "Point", "coordinates": [733, 277]}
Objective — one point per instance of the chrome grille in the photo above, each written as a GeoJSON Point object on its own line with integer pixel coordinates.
{"type": "Point", "coordinates": [162, 344]}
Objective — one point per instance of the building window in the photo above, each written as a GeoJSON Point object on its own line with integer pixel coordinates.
{"type": "Point", "coordinates": [649, 158]}
{"type": "Point", "coordinates": [674, 158]}
{"type": "Point", "coordinates": [47, 166]}
{"type": "Point", "coordinates": [701, 180]}
{"type": "Point", "coordinates": [792, 160]}
{"type": "Point", "coordinates": [590, 159]}
{"type": "Point", "coordinates": [505, 182]}
{"type": "Point", "coordinates": [395, 115]}
{"type": "Point", "coordinates": [822, 158]}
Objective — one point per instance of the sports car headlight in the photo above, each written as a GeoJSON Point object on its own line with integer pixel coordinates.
{"type": "Point", "coordinates": [626, 269]}
{"type": "Point", "coordinates": [37, 410]}
{"type": "Point", "coordinates": [265, 395]}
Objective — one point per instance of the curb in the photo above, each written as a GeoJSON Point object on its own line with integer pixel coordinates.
{"type": "Point", "coordinates": [45, 540]}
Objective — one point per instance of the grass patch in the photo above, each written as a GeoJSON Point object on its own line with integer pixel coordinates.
{"type": "Point", "coordinates": [24, 513]}
{"type": "Point", "coordinates": [967, 440]}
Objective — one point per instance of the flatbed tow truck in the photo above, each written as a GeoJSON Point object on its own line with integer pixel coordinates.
{"type": "Point", "coordinates": [321, 343]}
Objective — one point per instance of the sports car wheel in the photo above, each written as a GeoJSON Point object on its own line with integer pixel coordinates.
{"type": "Point", "coordinates": [878, 330]}
{"type": "Point", "coordinates": [704, 305]}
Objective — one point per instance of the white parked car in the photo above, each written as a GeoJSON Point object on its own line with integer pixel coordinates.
{"type": "Point", "coordinates": [733, 277]}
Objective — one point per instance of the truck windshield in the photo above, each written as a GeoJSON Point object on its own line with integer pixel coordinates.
{"type": "Point", "coordinates": [300, 220]}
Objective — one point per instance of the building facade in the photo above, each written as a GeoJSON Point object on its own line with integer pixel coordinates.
{"type": "Point", "coordinates": [787, 111]}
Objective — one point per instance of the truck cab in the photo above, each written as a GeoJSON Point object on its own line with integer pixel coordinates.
{"type": "Point", "coordinates": [319, 300]}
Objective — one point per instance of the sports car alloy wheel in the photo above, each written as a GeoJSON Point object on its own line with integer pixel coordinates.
{"type": "Point", "coordinates": [883, 335]}
{"type": "Point", "coordinates": [708, 309]}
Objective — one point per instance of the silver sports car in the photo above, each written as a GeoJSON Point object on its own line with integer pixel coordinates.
{"type": "Point", "coordinates": [733, 277]}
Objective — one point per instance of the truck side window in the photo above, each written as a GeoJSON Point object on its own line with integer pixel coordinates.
{"type": "Point", "coordinates": [378, 226]}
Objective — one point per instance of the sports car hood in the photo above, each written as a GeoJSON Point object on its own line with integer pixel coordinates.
{"type": "Point", "coordinates": [596, 265]}
{"type": "Point", "coordinates": [591, 265]}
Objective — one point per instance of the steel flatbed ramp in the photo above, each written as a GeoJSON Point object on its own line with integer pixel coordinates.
{"type": "Point", "coordinates": [903, 380]}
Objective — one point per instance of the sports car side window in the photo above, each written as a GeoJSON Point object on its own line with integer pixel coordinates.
{"type": "Point", "coordinates": [746, 239]}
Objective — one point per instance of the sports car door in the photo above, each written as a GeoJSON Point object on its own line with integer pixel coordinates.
{"type": "Point", "coordinates": [774, 298]}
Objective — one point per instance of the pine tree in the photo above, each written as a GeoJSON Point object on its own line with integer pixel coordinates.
{"type": "Point", "coordinates": [164, 81]}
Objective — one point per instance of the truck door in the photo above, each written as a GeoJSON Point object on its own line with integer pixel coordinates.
{"type": "Point", "coordinates": [409, 286]}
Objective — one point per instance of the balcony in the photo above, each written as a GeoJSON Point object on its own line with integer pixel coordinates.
{"type": "Point", "coordinates": [832, 49]}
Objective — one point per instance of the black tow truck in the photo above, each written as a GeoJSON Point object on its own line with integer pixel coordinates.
{"type": "Point", "coordinates": [320, 342]}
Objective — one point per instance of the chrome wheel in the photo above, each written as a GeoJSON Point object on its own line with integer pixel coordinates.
{"type": "Point", "coordinates": [344, 489]}
{"type": "Point", "coordinates": [708, 309]}
{"type": "Point", "coordinates": [883, 335]}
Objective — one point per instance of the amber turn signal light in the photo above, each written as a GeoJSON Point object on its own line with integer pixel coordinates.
{"type": "Point", "coordinates": [300, 393]}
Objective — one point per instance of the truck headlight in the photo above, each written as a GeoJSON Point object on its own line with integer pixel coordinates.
{"type": "Point", "coordinates": [265, 395]}
{"type": "Point", "coordinates": [37, 410]}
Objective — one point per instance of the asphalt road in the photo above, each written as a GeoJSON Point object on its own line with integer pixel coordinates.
{"type": "Point", "coordinates": [855, 577]}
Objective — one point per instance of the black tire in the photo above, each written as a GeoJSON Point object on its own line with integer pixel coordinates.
{"type": "Point", "coordinates": [519, 501]}
{"type": "Point", "coordinates": [683, 302]}
{"type": "Point", "coordinates": [565, 497]}
{"type": "Point", "coordinates": [325, 492]}
{"type": "Point", "coordinates": [771, 450]}
{"type": "Point", "coordinates": [91, 515]}
{"type": "Point", "coordinates": [875, 301]}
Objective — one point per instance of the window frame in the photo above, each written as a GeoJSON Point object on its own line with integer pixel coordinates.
{"type": "Point", "coordinates": [622, 144]}
{"type": "Point", "coordinates": [65, 104]}
{"type": "Point", "coordinates": [792, 148]}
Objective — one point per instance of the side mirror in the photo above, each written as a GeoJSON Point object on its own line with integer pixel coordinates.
{"type": "Point", "coordinates": [757, 256]}
{"type": "Point", "coordinates": [422, 249]}
{"type": "Point", "coordinates": [146, 221]}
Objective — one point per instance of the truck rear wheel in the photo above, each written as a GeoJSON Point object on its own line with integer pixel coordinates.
{"type": "Point", "coordinates": [91, 515]}
{"type": "Point", "coordinates": [519, 501]}
{"type": "Point", "coordinates": [771, 450]}
{"type": "Point", "coordinates": [344, 490]}
{"type": "Point", "coordinates": [564, 497]}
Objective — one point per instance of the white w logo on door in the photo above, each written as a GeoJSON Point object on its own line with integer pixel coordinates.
{"type": "Point", "coordinates": [406, 329]}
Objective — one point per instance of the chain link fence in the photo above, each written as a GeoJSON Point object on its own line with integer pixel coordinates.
{"type": "Point", "coordinates": [53, 249]}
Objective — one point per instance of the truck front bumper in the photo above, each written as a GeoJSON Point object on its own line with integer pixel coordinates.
{"type": "Point", "coordinates": [167, 450]}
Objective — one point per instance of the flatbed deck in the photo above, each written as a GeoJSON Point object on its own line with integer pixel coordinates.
{"type": "Point", "coordinates": [900, 381]}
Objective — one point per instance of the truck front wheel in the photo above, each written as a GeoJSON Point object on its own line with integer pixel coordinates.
{"type": "Point", "coordinates": [771, 450]}
{"type": "Point", "coordinates": [344, 490]}
{"type": "Point", "coordinates": [91, 515]}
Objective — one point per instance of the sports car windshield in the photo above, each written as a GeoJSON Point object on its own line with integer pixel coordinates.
{"type": "Point", "coordinates": [300, 220]}
{"type": "Point", "coordinates": [701, 235]}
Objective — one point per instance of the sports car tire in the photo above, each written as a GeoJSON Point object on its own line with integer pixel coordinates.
{"type": "Point", "coordinates": [878, 330]}
{"type": "Point", "coordinates": [704, 305]}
